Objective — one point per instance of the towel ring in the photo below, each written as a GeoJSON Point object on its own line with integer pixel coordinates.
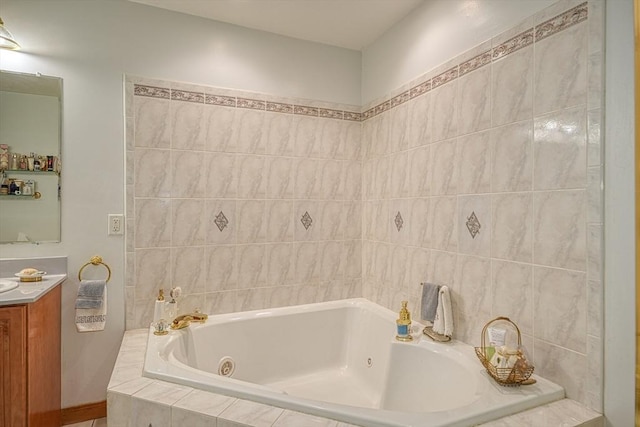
{"type": "Point", "coordinates": [95, 260]}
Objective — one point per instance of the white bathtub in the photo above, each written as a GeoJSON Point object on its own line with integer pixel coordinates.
{"type": "Point", "coordinates": [339, 360]}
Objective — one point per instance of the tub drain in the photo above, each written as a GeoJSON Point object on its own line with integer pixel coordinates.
{"type": "Point", "coordinates": [226, 367]}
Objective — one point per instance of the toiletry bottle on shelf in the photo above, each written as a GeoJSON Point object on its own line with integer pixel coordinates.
{"type": "Point", "coordinates": [158, 312]}
{"type": "Point", "coordinates": [404, 324]}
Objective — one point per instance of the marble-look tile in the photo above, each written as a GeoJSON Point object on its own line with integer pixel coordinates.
{"type": "Point", "coordinates": [564, 412]}
{"type": "Point", "coordinates": [189, 174]}
{"type": "Point", "coordinates": [596, 81]}
{"type": "Point", "coordinates": [381, 265]}
{"type": "Point", "coordinates": [152, 124]}
{"type": "Point", "coordinates": [512, 87]}
{"type": "Point", "coordinates": [474, 225]}
{"type": "Point", "coordinates": [512, 233]}
{"type": "Point", "coordinates": [255, 414]}
{"type": "Point", "coordinates": [594, 141]}
{"type": "Point", "coordinates": [221, 221]}
{"type": "Point", "coordinates": [398, 272]}
{"type": "Point", "coordinates": [352, 259]}
{"type": "Point", "coordinates": [560, 70]}
{"type": "Point", "coordinates": [474, 160]}
{"type": "Point", "coordinates": [118, 409]}
{"type": "Point", "coordinates": [560, 150]}
{"type": "Point", "coordinates": [188, 226]}
{"type": "Point", "coordinates": [307, 212]}
{"type": "Point", "coordinates": [443, 223]}
{"type": "Point", "coordinates": [161, 393]}
{"type": "Point", "coordinates": [250, 216]}
{"type": "Point", "coordinates": [471, 298]}
{"type": "Point", "coordinates": [418, 263]}
{"type": "Point", "coordinates": [331, 263]}
{"type": "Point", "coordinates": [152, 176]}
{"type": "Point", "coordinates": [306, 180]}
{"type": "Point", "coordinates": [560, 307]}
{"type": "Point", "coordinates": [398, 176]}
{"type": "Point", "coordinates": [511, 292]}
{"type": "Point", "coordinates": [595, 185]}
{"type": "Point", "coordinates": [559, 226]}
{"type": "Point", "coordinates": [398, 227]}
{"type": "Point", "coordinates": [332, 220]}
{"type": "Point", "coordinates": [221, 302]}
{"type": "Point", "coordinates": [279, 220]}
{"type": "Point", "coordinates": [556, 9]}
{"type": "Point", "coordinates": [381, 177]}
{"type": "Point", "coordinates": [417, 220]}
{"type": "Point", "coordinates": [511, 157]}
{"type": "Point", "coordinates": [280, 264]}
{"type": "Point", "coordinates": [297, 419]}
{"type": "Point", "coordinates": [352, 172]}
{"type": "Point", "coordinates": [444, 167]}
{"type": "Point", "coordinates": [252, 182]}
{"type": "Point", "coordinates": [279, 176]}
{"type": "Point", "coordinates": [595, 312]}
{"type": "Point", "coordinates": [222, 268]}
{"type": "Point", "coordinates": [419, 132]}
{"type": "Point", "coordinates": [305, 131]}
{"type": "Point", "coordinates": [330, 180]}
{"type": "Point", "coordinates": [308, 261]}
{"type": "Point", "coordinates": [181, 417]}
{"type": "Point", "coordinates": [220, 128]}
{"type": "Point", "coordinates": [474, 101]}
{"type": "Point", "coordinates": [278, 132]}
{"type": "Point", "coordinates": [381, 144]}
{"type": "Point", "coordinates": [353, 149]}
{"type": "Point", "coordinates": [188, 269]}
{"type": "Point", "coordinates": [381, 221]}
{"type": "Point", "coordinates": [398, 128]}
{"type": "Point", "coordinates": [248, 128]}
{"type": "Point", "coordinates": [418, 179]}
{"type": "Point", "coordinates": [353, 220]}
{"type": "Point", "coordinates": [442, 269]}
{"type": "Point", "coordinates": [203, 402]}
{"type": "Point", "coordinates": [188, 126]}
{"type": "Point", "coordinates": [153, 223]}
{"type": "Point", "coordinates": [222, 175]}
{"type": "Point", "coordinates": [252, 268]}
{"type": "Point", "coordinates": [331, 139]}
{"type": "Point", "coordinates": [595, 374]}
{"type": "Point", "coordinates": [145, 413]}
{"type": "Point", "coordinates": [594, 252]}
{"type": "Point", "coordinates": [152, 269]}
{"type": "Point", "coordinates": [443, 111]}
{"type": "Point", "coordinates": [561, 366]}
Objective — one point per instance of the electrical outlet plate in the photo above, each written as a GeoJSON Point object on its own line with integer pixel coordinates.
{"type": "Point", "coordinates": [116, 225]}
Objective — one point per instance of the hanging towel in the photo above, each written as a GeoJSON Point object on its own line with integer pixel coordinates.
{"type": "Point", "coordinates": [443, 323]}
{"type": "Point", "coordinates": [91, 306]}
{"type": "Point", "coordinates": [429, 303]}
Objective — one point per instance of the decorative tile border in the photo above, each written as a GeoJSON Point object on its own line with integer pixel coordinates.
{"type": "Point", "coordinates": [561, 22]}
{"type": "Point", "coordinates": [552, 26]}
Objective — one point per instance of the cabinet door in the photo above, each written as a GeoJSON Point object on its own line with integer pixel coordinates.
{"type": "Point", "coordinates": [13, 366]}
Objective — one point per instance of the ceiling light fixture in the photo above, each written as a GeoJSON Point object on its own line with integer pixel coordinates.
{"type": "Point", "coordinates": [6, 39]}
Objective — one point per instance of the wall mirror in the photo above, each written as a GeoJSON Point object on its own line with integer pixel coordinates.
{"type": "Point", "coordinates": [30, 167]}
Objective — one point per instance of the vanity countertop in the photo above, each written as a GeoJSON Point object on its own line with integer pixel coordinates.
{"type": "Point", "coordinates": [28, 292]}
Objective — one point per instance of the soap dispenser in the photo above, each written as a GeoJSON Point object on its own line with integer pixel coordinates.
{"type": "Point", "coordinates": [404, 324]}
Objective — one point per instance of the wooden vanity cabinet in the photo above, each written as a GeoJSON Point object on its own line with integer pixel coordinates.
{"type": "Point", "coordinates": [30, 363]}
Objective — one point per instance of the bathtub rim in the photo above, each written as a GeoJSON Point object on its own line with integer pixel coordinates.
{"type": "Point", "coordinates": [476, 411]}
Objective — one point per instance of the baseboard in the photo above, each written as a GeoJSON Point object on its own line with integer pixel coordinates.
{"type": "Point", "coordinates": [86, 412]}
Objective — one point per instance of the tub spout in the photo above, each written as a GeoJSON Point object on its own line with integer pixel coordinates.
{"type": "Point", "coordinates": [185, 320]}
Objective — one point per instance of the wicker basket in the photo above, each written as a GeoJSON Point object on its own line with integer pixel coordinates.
{"type": "Point", "coordinates": [517, 375]}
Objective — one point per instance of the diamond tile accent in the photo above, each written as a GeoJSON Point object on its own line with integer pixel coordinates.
{"type": "Point", "coordinates": [473, 225]}
{"type": "Point", "coordinates": [221, 221]}
{"type": "Point", "coordinates": [399, 221]}
{"type": "Point", "coordinates": [306, 220]}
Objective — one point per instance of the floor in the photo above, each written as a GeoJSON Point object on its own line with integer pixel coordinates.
{"type": "Point", "coordinates": [101, 422]}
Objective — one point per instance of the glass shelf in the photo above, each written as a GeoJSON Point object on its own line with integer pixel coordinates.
{"type": "Point", "coordinates": [27, 172]}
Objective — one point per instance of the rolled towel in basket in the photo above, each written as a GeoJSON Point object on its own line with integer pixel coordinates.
{"type": "Point", "coordinates": [91, 306]}
{"type": "Point", "coordinates": [443, 323]}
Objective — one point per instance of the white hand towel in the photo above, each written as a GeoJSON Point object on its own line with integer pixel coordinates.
{"type": "Point", "coordinates": [443, 323]}
{"type": "Point", "coordinates": [91, 306]}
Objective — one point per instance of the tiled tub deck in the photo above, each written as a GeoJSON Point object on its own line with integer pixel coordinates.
{"type": "Point", "coordinates": [135, 401]}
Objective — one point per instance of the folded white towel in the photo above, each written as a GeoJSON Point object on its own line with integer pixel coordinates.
{"type": "Point", "coordinates": [91, 306]}
{"type": "Point", "coordinates": [443, 323]}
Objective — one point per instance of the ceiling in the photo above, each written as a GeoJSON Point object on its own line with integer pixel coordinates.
{"type": "Point", "coordinates": [351, 24]}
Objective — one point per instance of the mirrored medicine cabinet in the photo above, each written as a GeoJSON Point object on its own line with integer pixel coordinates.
{"type": "Point", "coordinates": [30, 166]}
